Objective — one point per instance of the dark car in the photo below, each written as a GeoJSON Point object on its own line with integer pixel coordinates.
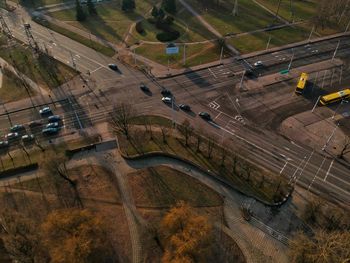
{"type": "Point", "coordinates": [4, 144]}
{"type": "Point", "coordinates": [250, 73]}
{"type": "Point", "coordinates": [17, 128]}
{"type": "Point", "coordinates": [45, 111]}
{"type": "Point", "coordinates": [35, 124]}
{"type": "Point", "coordinates": [166, 93]}
{"type": "Point", "coordinates": [12, 136]}
{"type": "Point", "coordinates": [144, 88]}
{"type": "Point", "coordinates": [54, 118]}
{"type": "Point", "coordinates": [28, 138]}
{"type": "Point", "coordinates": [204, 115]}
{"type": "Point", "coordinates": [50, 131]}
{"type": "Point", "coordinates": [185, 107]}
{"type": "Point", "coordinates": [113, 67]}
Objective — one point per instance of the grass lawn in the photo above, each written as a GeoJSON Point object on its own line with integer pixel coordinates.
{"type": "Point", "coordinates": [111, 23]}
{"type": "Point", "coordinates": [256, 181]}
{"type": "Point", "coordinates": [258, 41]}
{"type": "Point", "coordinates": [191, 30]}
{"type": "Point", "coordinates": [12, 89]}
{"type": "Point", "coordinates": [250, 16]}
{"type": "Point", "coordinates": [44, 70]}
{"type": "Point", "coordinates": [163, 186]}
{"type": "Point", "coordinates": [105, 50]}
{"type": "Point", "coordinates": [196, 54]}
{"type": "Point", "coordinates": [300, 8]}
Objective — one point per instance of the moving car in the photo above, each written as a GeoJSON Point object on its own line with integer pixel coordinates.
{"type": "Point", "coordinates": [17, 128]}
{"type": "Point", "coordinates": [113, 67]}
{"type": "Point", "coordinates": [45, 111]}
{"type": "Point", "coordinates": [50, 131]}
{"type": "Point", "coordinates": [53, 125]}
{"type": "Point", "coordinates": [204, 115]}
{"type": "Point", "coordinates": [258, 64]}
{"type": "Point", "coordinates": [185, 107]}
{"type": "Point", "coordinates": [167, 100]}
{"type": "Point", "coordinates": [54, 118]}
{"type": "Point", "coordinates": [12, 136]}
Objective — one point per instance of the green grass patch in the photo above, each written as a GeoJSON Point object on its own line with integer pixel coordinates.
{"type": "Point", "coordinates": [279, 37]}
{"type": "Point", "coordinates": [105, 50]}
{"type": "Point", "coordinates": [111, 23]}
{"type": "Point", "coordinates": [289, 10]}
{"type": "Point", "coordinates": [44, 70]}
{"type": "Point", "coordinates": [245, 176]}
{"type": "Point", "coordinates": [39, 3]}
{"type": "Point", "coordinates": [12, 89]}
{"type": "Point", "coordinates": [163, 186]}
{"type": "Point", "coordinates": [250, 15]}
{"type": "Point", "coordinates": [196, 54]}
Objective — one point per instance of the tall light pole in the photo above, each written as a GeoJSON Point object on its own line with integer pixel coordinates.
{"type": "Point", "coordinates": [330, 137]}
{"type": "Point", "coordinates": [336, 49]}
{"type": "Point", "coordinates": [336, 110]}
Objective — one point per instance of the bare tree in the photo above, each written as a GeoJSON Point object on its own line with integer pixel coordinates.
{"type": "Point", "coordinates": [120, 118]}
{"type": "Point", "coordinates": [186, 130]}
{"type": "Point", "coordinates": [210, 145]}
{"type": "Point", "coordinates": [224, 152]}
{"type": "Point", "coordinates": [165, 133]}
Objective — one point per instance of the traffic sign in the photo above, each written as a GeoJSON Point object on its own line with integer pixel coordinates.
{"type": "Point", "coordinates": [285, 71]}
{"type": "Point", "coordinates": [171, 49]}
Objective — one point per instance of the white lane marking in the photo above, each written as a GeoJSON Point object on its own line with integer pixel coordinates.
{"type": "Point", "coordinates": [96, 70]}
{"type": "Point", "coordinates": [217, 115]}
{"type": "Point", "coordinates": [296, 144]}
{"type": "Point", "coordinates": [77, 55]}
{"type": "Point", "coordinates": [329, 169]}
{"type": "Point", "coordinates": [214, 105]}
{"type": "Point", "coordinates": [286, 148]}
{"type": "Point", "coordinates": [318, 170]}
{"type": "Point", "coordinates": [212, 73]}
{"type": "Point", "coordinates": [284, 166]}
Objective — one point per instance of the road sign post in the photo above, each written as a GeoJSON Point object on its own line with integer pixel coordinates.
{"type": "Point", "coordinates": [285, 71]}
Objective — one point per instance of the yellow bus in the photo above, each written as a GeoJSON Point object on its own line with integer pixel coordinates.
{"type": "Point", "coordinates": [301, 83]}
{"type": "Point", "coordinates": [334, 97]}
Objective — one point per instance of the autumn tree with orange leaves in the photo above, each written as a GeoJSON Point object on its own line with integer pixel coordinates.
{"type": "Point", "coordinates": [77, 236]}
{"type": "Point", "coordinates": [187, 235]}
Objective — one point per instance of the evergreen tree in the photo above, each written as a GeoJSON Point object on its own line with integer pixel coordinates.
{"type": "Point", "coordinates": [169, 6]}
{"type": "Point", "coordinates": [161, 14]}
{"type": "Point", "coordinates": [80, 14]}
{"type": "Point", "coordinates": [128, 5]}
{"type": "Point", "coordinates": [91, 8]}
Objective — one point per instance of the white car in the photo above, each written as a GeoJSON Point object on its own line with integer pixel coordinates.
{"type": "Point", "coordinates": [53, 125]}
{"type": "Point", "coordinates": [258, 64]}
{"type": "Point", "coordinates": [45, 110]}
{"type": "Point", "coordinates": [167, 100]}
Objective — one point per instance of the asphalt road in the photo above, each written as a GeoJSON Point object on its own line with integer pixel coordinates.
{"type": "Point", "coordinates": [300, 164]}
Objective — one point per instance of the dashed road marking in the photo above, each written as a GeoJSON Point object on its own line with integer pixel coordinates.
{"type": "Point", "coordinates": [212, 73]}
{"type": "Point", "coordinates": [329, 169]}
{"type": "Point", "coordinates": [240, 119]}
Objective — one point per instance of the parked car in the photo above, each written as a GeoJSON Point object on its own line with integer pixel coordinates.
{"type": "Point", "coordinates": [53, 125]}
{"type": "Point", "coordinates": [54, 118]}
{"type": "Point", "coordinates": [204, 115]}
{"type": "Point", "coordinates": [185, 107]}
{"type": "Point", "coordinates": [50, 131]}
{"type": "Point", "coordinates": [12, 136]}
{"type": "Point", "coordinates": [144, 88]}
{"type": "Point", "coordinates": [28, 138]}
{"type": "Point", "coordinates": [113, 67]}
{"type": "Point", "coordinates": [35, 124]}
{"type": "Point", "coordinates": [45, 111]}
{"type": "Point", "coordinates": [17, 128]}
{"type": "Point", "coordinates": [4, 144]}
{"type": "Point", "coordinates": [167, 100]}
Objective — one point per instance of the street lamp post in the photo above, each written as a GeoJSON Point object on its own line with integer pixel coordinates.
{"type": "Point", "coordinates": [336, 110]}
{"type": "Point", "coordinates": [330, 137]}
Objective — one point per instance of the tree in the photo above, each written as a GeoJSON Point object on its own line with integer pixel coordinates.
{"type": "Point", "coordinates": [154, 12]}
{"type": "Point", "coordinates": [186, 130]}
{"type": "Point", "coordinates": [325, 247]}
{"type": "Point", "coordinates": [91, 8]}
{"type": "Point", "coordinates": [21, 238]}
{"type": "Point", "coordinates": [161, 14]}
{"type": "Point", "coordinates": [210, 145]}
{"type": "Point", "coordinates": [128, 5]}
{"type": "Point", "coordinates": [169, 6]}
{"type": "Point", "coordinates": [165, 132]}
{"type": "Point", "coordinates": [188, 236]}
{"type": "Point", "coordinates": [77, 236]}
{"type": "Point", "coordinates": [120, 118]}
{"type": "Point", "coordinates": [80, 14]}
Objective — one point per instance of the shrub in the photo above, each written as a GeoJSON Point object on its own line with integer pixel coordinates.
{"type": "Point", "coordinates": [168, 36]}
{"type": "Point", "coordinates": [139, 28]}
{"type": "Point", "coordinates": [169, 20]}
{"type": "Point", "coordinates": [152, 20]}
